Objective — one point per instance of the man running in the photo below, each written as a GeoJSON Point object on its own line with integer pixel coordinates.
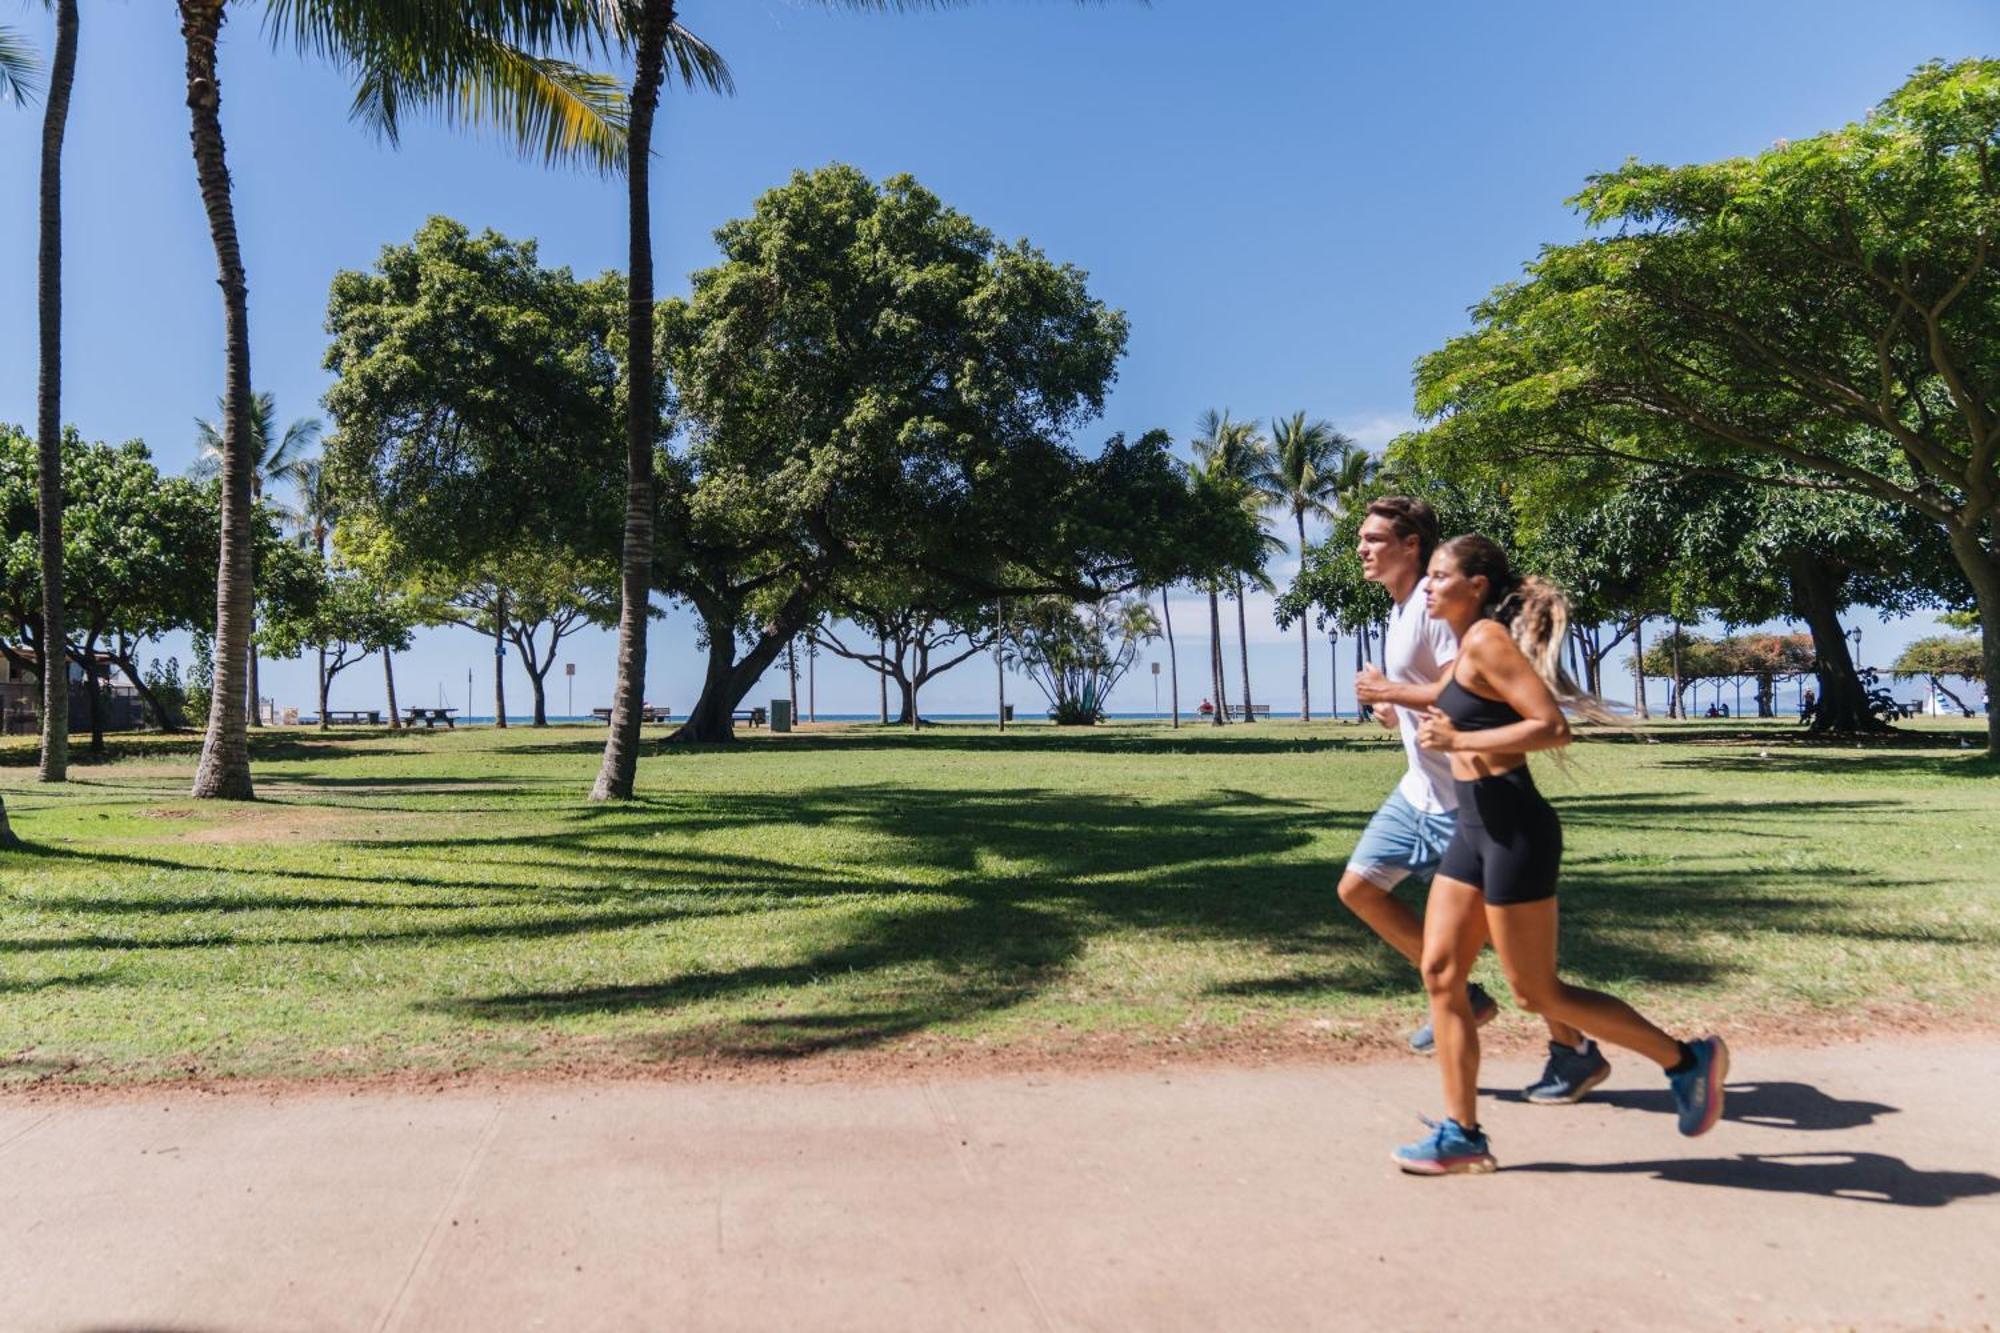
{"type": "Point", "coordinates": [1408, 834]}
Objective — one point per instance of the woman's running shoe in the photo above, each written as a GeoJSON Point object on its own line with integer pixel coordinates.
{"type": "Point", "coordinates": [1484, 1010]}
{"type": "Point", "coordinates": [1569, 1075]}
{"type": "Point", "coordinates": [1698, 1092]}
{"type": "Point", "coordinates": [1450, 1149]}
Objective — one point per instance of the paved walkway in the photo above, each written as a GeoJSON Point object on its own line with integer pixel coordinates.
{"type": "Point", "coordinates": [1850, 1186]}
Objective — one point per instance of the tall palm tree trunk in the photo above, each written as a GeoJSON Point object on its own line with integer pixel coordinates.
{"type": "Point", "coordinates": [389, 679]}
{"type": "Point", "coordinates": [1305, 638]}
{"type": "Point", "coordinates": [1173, 659]}
{"type": "Point", "coordinates": [48, 406]}
{"type": "Point", "coordinates": [615, 777]}
{"type": "Point", "coordinates": [224, 770]}
{"type": "Point", "coordinates": [1243, 649]}
{"type": "Point", "coordinates": [1216, 672]}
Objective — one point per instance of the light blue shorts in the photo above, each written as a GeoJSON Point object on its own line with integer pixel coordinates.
{"type": "Point", "coordinates": [1400, 841]}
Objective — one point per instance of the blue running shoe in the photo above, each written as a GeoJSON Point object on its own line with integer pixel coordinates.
{"type": "Point", "coordinates": [1484, 1010]}
{"type": "Point", "coordinates": [1569, 1075]}
{"type": "Point", "coordinates": [1450, 1150]}
{"type": "Point", "coordinates": [1698, 1092]}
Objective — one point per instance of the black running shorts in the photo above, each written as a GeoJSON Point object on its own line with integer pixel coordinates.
{"type": "Point", "coordinates": [1509, 840]}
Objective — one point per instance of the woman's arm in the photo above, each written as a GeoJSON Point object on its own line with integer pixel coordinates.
{"type": "Point", "coordinates": [1505, 674]}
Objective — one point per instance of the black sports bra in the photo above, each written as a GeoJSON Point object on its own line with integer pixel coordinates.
{"type": "Point", "coordinates": [1474, 712]}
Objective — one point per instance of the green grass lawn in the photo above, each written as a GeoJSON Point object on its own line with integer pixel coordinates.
{"type": "Point", "coordinates": [440, 901]}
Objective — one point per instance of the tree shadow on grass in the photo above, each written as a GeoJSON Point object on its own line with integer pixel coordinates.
{"type": "Point", "coordinates": [926, 908]}
{"type": "Point", "coordinates": [1877, 763]}
{"type": "Point", "coordinates": [1863, 1177]}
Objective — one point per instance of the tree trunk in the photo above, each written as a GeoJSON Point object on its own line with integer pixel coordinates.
{"type": "Point", "coordinates": [1243, 649]}
{"type": "Point", "coordinates": [1674, 708]}
{"type": "Point", "coordinates": [96, 695]}
{"type": "Point", "coordinates": [224, 770]}
{"type": "Point", "coordinates": [1843, 701]}
{"type": "Point", "coordinates": [1215, 670]}
{"type": "Point", "coordinates": [882, 651]}
{"type": "Point", "coordinates": [1360, 661]}
{"type": "Point", "coordinates": [792, 674]}
{"type": "Point", "coordinates": [325, 685]}
{"type": "Point", "coordinates": [727, 681]}
{"type": "Point", "coordinates": [1173, 658]}
{"type": "Point", "coordinates": [1305, 640]}
{"type": "Point", "coordinates": [1000, 659]}
{"type": "Point", "coordinates": [389, 680]}
{"type": "Point", "coordinates": [54, 766]}
{"type": "Point", "coordinates": [256, 716]}
{"type": "Point", "coordinates": [1639, 667]}
{"type": "Point", "coordinates": [1981, 564]}
{"type": "Point", "coordinates": [620, 768]}
{"type": "Point", "coordinates": [908, 689]}
{"type": "Point", "coordinates": [499, 656]}
{"type": "Point", "coordinates": [161, 719]}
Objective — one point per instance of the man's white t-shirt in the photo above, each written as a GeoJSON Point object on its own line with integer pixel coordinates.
{"type": "Point", "coordinates": [1419, 651]}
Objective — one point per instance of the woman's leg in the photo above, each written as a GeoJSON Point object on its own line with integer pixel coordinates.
{"type": "Point", "coordinates": [1524, 935]}
{"type": "Point", "coordinates": [1454, 933]}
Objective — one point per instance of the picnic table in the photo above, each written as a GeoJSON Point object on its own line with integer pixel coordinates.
{"type": "Point", "coordinates": [371, 716]}
{"type": "Point", "coordinates": [430, 717]}
{"type": "Point", "coordinates": [647, 713]}
{"type": "Point", "coordinates": [749, 717]}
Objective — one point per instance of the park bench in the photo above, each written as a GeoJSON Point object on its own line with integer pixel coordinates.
{"type": "Point", "coordinates": [430, 717]}
{"type": "Point", "coordinates": [355, 716]}
{"type": "Point", "coordinates": [749, 717]}
{"type": "Point", "coordinates": [1256, 710]}
{"type": "Point", "coordinates": [647, 713]}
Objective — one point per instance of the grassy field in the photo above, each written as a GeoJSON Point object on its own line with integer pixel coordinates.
{"type": "Point", "coordinates": [446, 901]}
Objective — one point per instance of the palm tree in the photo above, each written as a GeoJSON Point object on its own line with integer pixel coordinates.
{"type": "Point", "coordinates": [285, 460]}
{"type": "Point", "coordinates": [1233, 455]}
{"type": "Point", "coordinates": [1302, 472]}
{"type": "Point", "coordinates": [311, 519]}
{"type": "Point", "coordinates": [473, 63]}
{"type": "Point", "coordinates": [1219, 443]}
{"type": "Point", "coordinates": [657, 35]}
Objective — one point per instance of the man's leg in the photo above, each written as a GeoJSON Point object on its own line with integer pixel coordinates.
{"type": "Point", "coordinates": [1382, 912]}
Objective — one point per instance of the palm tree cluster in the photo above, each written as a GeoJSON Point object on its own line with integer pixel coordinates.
{"type": "Point", "coordinates": [1304, 468]}
{"type": "Point", "coordinates": [502, 65]}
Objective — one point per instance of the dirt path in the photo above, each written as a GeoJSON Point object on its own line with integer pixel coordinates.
{"type": "Point", "coordinates": [1850, 1186]}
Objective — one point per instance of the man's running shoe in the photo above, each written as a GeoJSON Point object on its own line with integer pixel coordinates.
{"type": "Point", "coordinates": [1698, 1092]}
{"type": "Point", "coordinates": [1449, 1150]}
{"type": "Point", "coordinates": [1569, 1075]}
{"type": "Point", "coordinates": [1484, 1010]}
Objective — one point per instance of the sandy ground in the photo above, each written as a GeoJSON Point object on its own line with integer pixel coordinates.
{"type": "Point", "coordinates": [1849, 1186]}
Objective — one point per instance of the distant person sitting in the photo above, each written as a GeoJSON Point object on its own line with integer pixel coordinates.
{"type": "Point", "coordinates": [1807, 702]}
{"type": "Point", "coordinates": [1724, 708]}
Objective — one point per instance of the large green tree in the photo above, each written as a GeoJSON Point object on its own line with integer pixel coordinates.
{"type": "Point", "coordinates": [480, 62]}
{"type": "Point", "coordinates": [477, 397]}
{"type": "Point", "coordinates": [1824, 315]}
{"type": "Point", "coordinates": [871, 380]}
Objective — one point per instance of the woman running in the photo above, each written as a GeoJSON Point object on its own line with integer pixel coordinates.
{"type": "Point", "coordinates": [1497, 879]}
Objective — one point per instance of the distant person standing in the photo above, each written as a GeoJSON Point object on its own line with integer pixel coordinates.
{"type": "Point", "coordinates": [1409, 832]}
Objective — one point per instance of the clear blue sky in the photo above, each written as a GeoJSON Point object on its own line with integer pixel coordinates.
{"type": "Point", "coordinates": [1291, 200]}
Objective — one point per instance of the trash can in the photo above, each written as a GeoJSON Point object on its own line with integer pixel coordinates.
{"type": "Point", "coordinates": [1006, 712]}
{"type": "Point", "coordinates": [781, 714]}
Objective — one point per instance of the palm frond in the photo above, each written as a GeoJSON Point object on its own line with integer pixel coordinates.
{"type": "Point", "coordinates": [698, 63]}
{"type": "Point", "coordinates": [548, 108]}
{"type": "Point", "coordinates": [18, 67]}
{"type": "Point", "coordinates": [290, 456]}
